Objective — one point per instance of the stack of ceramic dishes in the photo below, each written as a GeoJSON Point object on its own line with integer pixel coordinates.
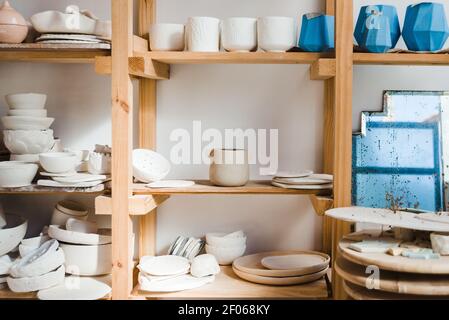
{"type": "Point", "coordinates": [226, 247]}
{"type": "Point", "coordinates": [27, 126]}
{"type": "Point", "coordinates": [186, 247]}
{"type": "Point", "coordinates": [282, 267]}
{"type": "Point", "coordinates": [306, 180]}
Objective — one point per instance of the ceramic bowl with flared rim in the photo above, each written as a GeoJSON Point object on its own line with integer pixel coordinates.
{"type": "Point", "coordinates": [222, 240]}
{"type": "Point", "coordinates": [61, 234]}
{"type": "Point", "coordinates": [87, 260]}
{"type": "Point", "coordinates": [167, 37]}
{"type": "Point", "coordinates": [28, 141]}
{"type": "Point", "coordinates": [16, 174]}
{"type": "Point", "coordinates": [225, 256]}
{"type": "Point", "coordinates": [253, 264]}
{"type": "Point", "coordinates": [149, 166]}
{"type": "Point", "coordinates": [26, 100]}
{"type": "Point", "coordinates": [276, 34]}
{"type": "Point", "coordinates": [12, 233]}
{"type": "Point", "coordinates": [58, 162]}
{"type": "Point", "coordinates": [40, 113]}
{"type": "Point", "coordinates": [26, 123]}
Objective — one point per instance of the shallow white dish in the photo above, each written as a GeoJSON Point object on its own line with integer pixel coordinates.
{"type": "Point", "coordinates": [293, 174]}
{"type": "Point", "coordinates": [80, 177]}
{"type": "Point", "coordinates": [171, 184]}
{"type": "Point", "coordinates": [76, 288]}
{"type": "Point", "coordinates": [222, 240]}
{"type": "Point", "coordinates": [63, 174]}
{"type": "Point", "coordinates": [15, 174]}
{"type": "Point", "coordinates": [167, 37]}
{"type": "Point", "coordinates": [55, 184]}
{"type": "Point", "coordinates": [239, 34]}
{"type": "Point", "coordinates": [180, 283]}
{"type": "Point", "coordinates": [92, 260]}
{"type": "Point", "coordinates": [311, 180]}
{"type": "Point", "coordinates": [302, 187]}
{"type": "Point", "coordinates": [58, 162]}
{"type": "Point", "coordinates": [225, 256]}
{"type": "Point", "coordinates": [59, 233]}
{"type": "Point", "coordinates": [276, 34]}
{"type": "Point", "coordinates": [28, 141]}
{"type": "Point", "coordinates": [164, 265]}
{"type": "Point", "coordinates": [26, 100]}
{"type": "Point", "coordinates": [12, 233]}
{"type": "Point", "coordinates": [30, 158]}
{"type": "Point", "coordinates": [30, 284]}
{"type": "Point", "coordinates": [289, 262]}
{"type": "Point", "coordinates": [149, 166]}
{"type": "Point", "coordinates": [42, 113]}
{"type": "Point", "coordinates": [26, 123]}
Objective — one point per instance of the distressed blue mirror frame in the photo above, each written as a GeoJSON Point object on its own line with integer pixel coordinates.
{"type": "Point", "coordinates": [399, 152]}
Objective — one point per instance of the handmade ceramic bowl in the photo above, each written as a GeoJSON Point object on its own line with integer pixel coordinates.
{"type": "Point", "coordinates": [60, 218]}
{"type": "Point", "coordinates": [149, 166]}
{"type": "Point", "coordinates": [28, 112]}
{"type": "Point", "coordinates": [15, 174]}
{"type": "Point", "coordinates": [239, 34]}
{"type": "Point", "coordinates": [26, 100]}
{"type": "Point", "coordinates": [203, 34]}
{"type": "Point", "coordinates": [12, 233]}
{"type": "Point", "coordinates": [229, 167]}
{"type": "Point", "coordinates": [86, 260]}
{"type": "Point", "coordinates": [72, 208]}
{"type": "Point", "coordinates": [276, 34]}
{"type": "Point", "coordinates": [225, 256]}
{"type": "Point", "coordinates": [26, 123]}
{"type": "Point", "coordinates": [13, 27]}
{"type": "Point", "coordinates": [220, 240]}
{"type": "Point", "coordinates": [29, 158]}
{"type": "Point", "coordinates": [28, 142]}
{"type": "Point", "coordinates": [167, 37]}
{"type": "Point", "coordinates": [58, 162]}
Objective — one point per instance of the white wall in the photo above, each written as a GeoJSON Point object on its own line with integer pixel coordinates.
{"type": "Point", "coordinates": [221, 97]}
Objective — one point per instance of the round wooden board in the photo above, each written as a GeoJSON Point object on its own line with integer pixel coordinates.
{"type": "Point", "coordinates": [252, 264]}
{"type": "Point", "coordinates": [398, 263]}
{"type": "Point", "coordinates": [361, 293]}
{"type": "Point", "coordinates": [276, 281]}
{"type": "Point", "coordinates": [395, 282]}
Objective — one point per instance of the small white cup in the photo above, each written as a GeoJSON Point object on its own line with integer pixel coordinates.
{"type": "Point", "coordinates": [203, 34]}
{"type": "Point", "coordinates": [167, 37]}
{"type": "Point", "coordinates": [239, 34]}
{"type": "Point", "coordinates": [276, 34]}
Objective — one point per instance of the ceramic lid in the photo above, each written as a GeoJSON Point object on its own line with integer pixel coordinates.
{"type": "Point", "coordinates": [8, 15]}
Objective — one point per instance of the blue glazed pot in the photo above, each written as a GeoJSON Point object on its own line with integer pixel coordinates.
{"type": "Point", "coordinates": [317, 33]}
{"type": "Point", "coordinates": [387, 11]}
{"type": "Point", "coordinates": [376, 36]}
{"type": "Point", "coordinates": [425, 27]}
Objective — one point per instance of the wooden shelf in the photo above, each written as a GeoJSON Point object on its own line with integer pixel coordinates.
{"type": "Point", "coordinates": [401, 58]}
{"type": "Point", "coordinates": [204, 187]}
{"type": "Point", "coordinates": [55, 53]}
{"type": "Point", "coordinates": [234, 57]}
{"type": "Point", "coordinates": [35, 189]}
{"type": "Point", "coordinates": [227, 285]}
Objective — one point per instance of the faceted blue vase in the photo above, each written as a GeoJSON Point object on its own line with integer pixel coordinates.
{"type": "Point", "coordinates": [376, 37]}
{"type": "Point", "coordinates": [317, 33]}
{"type": "Point", "coordinates": [425, 27]}
{"type": "Point", "coordinates": [387, 11]}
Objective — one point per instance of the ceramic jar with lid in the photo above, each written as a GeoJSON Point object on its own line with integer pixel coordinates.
{"type": "Point", "coordinates": [229, 167]}
{"type": "Point", "coordinates": [13, 26]}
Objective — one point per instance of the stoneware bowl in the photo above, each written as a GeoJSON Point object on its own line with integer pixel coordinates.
{"type": "Point", "coordinates": [167, 37]}
{"type": "Point", "coordinates": [15, 174]}
{"type": "Point", "coordinates": [203, 34]}
{"type": "Point", "coordinates": [13, 27]}
{"type": "Point", "coordinates": [86, 260]}
{"type": "Point", "coordinates": [26, 123]}
{"type": "Point", "coordinates": [221, 240]}
{"type": "Point", "coordinates": [58, 162]}
{"type": "Point", "coordinates": [149, 166]}
{"type": "Point", "coordinates": [229, 167]}
{"type": "Point", "coordinates": [12, 233]}
{"type": "Point", "coordinates": [26, 100]}
{"type": "Point", "coordinates": [28, 142]}
{"type": "Point", "coordinates": [42, 113]}
{"type": "Point", "coordinates": [225, 256]}
{"type": "Point", "coordinates": [60, 218]}
{"type": "Point", "coordinates": [239, 34]}
{"type": "Point", "coordinates": [276, 34]}
{"type": "Point", "coordinates": [440, 243]}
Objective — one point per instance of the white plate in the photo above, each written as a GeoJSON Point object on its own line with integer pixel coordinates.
{"type": "Point", "coordinates": [76, 288]}
{"type": "Point", "coordinates": [184, 282]}
{"type": "Point", "coordinates": [302, 187]}
{"type": "Point", "coordinates": [293, 174]}
{"type": "Point", "coordinates": [80, 177]}
{"type": "Point", "coordinates": [60, 234]}
{"type": "Point", "coordinates": [149, 166]}
{"type": "Point", "coordinates": [171, 184]}
{"type": "Point", "coordinates": [164, 265]}
{"type": "Point", "coordinates": [64, 174]}
{"type": "Point", "coordinates": [290, 262]}
{"type": "Point", "coordinates": [56, 184]}
{"type": "Point", "coordinates": [313, 179]}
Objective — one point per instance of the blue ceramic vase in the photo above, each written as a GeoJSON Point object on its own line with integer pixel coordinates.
{"type": "Point", "coordinates": [317, 33]}
{"type": "Point", "coordinates": [388, 12]}
{"type": "Point", "coordinates": [425, 27]}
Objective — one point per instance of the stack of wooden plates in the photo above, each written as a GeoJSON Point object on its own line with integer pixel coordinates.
{"type": "Point", "coordinates": [379, 276]}
{"type": "Point", "coordinates": [282, 268]}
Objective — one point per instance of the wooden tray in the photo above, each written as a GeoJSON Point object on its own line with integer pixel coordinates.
{"type": "Point", "coordinates": [404, 283]}
{"type": "Point", "coordinates": [252, 264]}
{"type": "Point", "coordinates": [280, 281]}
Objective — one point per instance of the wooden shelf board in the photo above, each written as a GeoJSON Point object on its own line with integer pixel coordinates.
{"type": "Point", "coordinates": [227, 285]}
{"type": "Point", "coordinates": [205, 187]}
{"type": "Point", "coordinates": [234, 57]}
{"type": "Point", "coordinates": [401, 58]}
{"type": "Point", "coordinates": [35, 189]}
{"type": "Point", "coordinates": [55, 53]}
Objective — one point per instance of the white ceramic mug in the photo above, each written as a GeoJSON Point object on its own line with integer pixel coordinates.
{"type": "Point", "coordinates": [167, 37]}
{"type": "Point", "coordinates": [203, 34]}
{"type": "Point", "coordinates": [276, 34]}
{"type": "Point", "coordinates": [239, 34]}
{"type": "Point", "coordinates": [229, 167]}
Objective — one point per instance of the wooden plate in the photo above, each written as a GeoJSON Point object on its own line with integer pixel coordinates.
{"type": "Point", "coordinates": [280, 281]}
{"type": "Point", "coordinates": [252, 264]}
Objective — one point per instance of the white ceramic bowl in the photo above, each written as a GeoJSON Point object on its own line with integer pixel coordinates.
{"type": "Point", "coordinates": [276, 34]}
{"type": "Point", "coordinates": [60, 218]}
{"type": "Point", "coordinates": [28, 142]}
{"type": "Point", "coordinates": [42, 113]}
{"type": "Point", "coordinates": [30, 158]}
{"type": "Point", "coordinates": [26, 123]}
{"type": "Point", "coordinates": [203, 34]}
{"type": "Point", "coordinates": [72, 208]}
{"type": "Point", "coordinates": [220, 241]}
{"type": "Point", "coordinates": [26, 100]}
{"type": "Point", "coordinates": [87, 260]}
{"type": "Point", "coordinates": [225, 256]}
{"type": "Point", "coordinates": [167, 37]}
{"type": "Point", "coordinates": [12, 233]}
{"type": "Point", "coordinates": [149, 166]}
{"type": "Point", "coordinates": [58, 162]}
{"type": "Point", "coordinates": [15, 174]}
{"type": "Point", "coordinates": [239, 34]}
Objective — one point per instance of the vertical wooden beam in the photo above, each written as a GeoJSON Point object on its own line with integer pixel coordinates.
{"type": "Point", "coordinates": [122, 110]}
{"type": "Point", "coordinates": [343, 126]}
{"type": "Point", "coordinates": [147, 127]}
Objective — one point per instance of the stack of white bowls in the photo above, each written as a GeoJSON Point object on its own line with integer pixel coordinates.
{"type": "Point", "coordinates": [226, 247]}
{"type": "Point", "coordinates": [27, 126]}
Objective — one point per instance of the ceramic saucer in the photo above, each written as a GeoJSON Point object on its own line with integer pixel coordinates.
{"type": "Point", "coordinates": [76, 288]}
{"type": "Point", "coordinates": [293, 174]}
{"type": "Point", "coordinates": [64, 174]}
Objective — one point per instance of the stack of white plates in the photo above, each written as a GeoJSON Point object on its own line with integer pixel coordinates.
{"type": "Point", "coordinates": [306, 180]}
